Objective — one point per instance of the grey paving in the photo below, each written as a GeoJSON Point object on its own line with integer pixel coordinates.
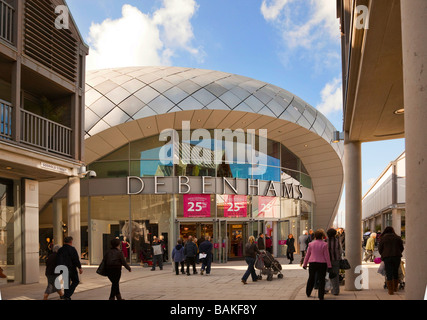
{"type": "Point", "coordinates": [223, 284]}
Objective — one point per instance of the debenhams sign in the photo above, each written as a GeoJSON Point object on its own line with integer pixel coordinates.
{"type": "Point", "coordinates": [210, 185]}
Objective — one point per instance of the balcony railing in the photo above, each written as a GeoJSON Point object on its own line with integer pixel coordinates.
{"type": "Point", "coordinates": [6, 21]}
{"type": "Point", "coordinates": [42, 133]}
{"type": "Point", "coordinates": [36, 131]}
{"type": "Point", "coordinates": [5, 120]}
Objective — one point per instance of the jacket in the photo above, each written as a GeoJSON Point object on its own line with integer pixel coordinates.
{"type": "Point", "coordinates": [178, 253]}
{"type": "Point", "coordinates": [303, 242]}
{"type": "Point", "coordinates": [190, 249]}
{"type": "Point", "coordinates": [251, 250]}
{"type": "Point", "coordinates": [157, 249]}
{"type": "Point", "coordinates": [68, 256]}
{"type": "Point", "coordinates": [51, 264]}
{"type": "Point", "coordinates": [291, 245]}
{"type": "Point", "coordinates": [391, 245]}
{"type": "Point", "coordinates": [317, 252]}
{"type": "Point", "coordinates": [260, 243]}
{"type": "Point", "coordinates": [370, 244]}
{"type": "Point", "coordinates": [206, 247]}
{"type": "Point", "coordinates": [114, 259]}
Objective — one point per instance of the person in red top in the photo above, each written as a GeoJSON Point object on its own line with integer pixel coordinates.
{"type": "Point", "coordinates": [269, 244]}
{"type": "Point", "coordinates": [319, 262]}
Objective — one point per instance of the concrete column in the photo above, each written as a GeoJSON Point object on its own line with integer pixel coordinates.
{"type": "Point", "coordinates": [396, 221]}
{"type": "Point", "coordinates": [58, 234]}
{"type": "Point", "coordinates": [31, 271]}
{"type": "Point", "coordinates": [74, 212]}
{"type": "Point", "coordinates": [353, 209]}
{"type": "Point", "coordinates": [414, 48]}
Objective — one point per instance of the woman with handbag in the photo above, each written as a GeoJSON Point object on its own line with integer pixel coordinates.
{"type": "Point", "coordinates": [113, 262]}
{"type": "Point", "coordinates": [335, 253]}
{"type": "Point", "coordinates": [290, 242]}
{"type": "Point", "coordinates": [319, 262]}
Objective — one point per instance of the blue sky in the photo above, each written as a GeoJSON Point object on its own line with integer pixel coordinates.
{"type": "Point", "coordinates": [293, 44]}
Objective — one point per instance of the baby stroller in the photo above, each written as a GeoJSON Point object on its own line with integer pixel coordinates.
{"type": "Point", "coordinates": [381, 270]}
{"type": "Point", "coordinates": [267, 265]}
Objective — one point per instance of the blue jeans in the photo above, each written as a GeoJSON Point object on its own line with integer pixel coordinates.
{"type": "Point", "coordinates": [251, 269]}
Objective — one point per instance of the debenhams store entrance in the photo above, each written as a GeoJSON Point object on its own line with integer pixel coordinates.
{"type": "Point", "coordinates": [136, 196]}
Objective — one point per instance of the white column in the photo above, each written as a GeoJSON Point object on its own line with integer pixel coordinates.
{"type": "Point", "coordinates": [353, 209]}
{"type": "Point", "coordinates": [414, 48]}
{"type": "Point", "coordinates": [74, 212]}
{"type": "Point", "coordinates": [31, 272]}
{"type": "Point", "coordinates": [58, 234]}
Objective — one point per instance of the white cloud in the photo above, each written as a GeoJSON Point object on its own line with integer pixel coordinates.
{"type": "Point", "coordinates": [138, 38]}
{"type": "Point", "coordinates": [300, 28]}
{"type": "Point", "coordinates": [331, 97]}
{"type": "Point", "coordinates": [271, 9]}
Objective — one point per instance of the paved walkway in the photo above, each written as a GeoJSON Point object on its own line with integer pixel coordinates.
{"type": "Point", "coordinates": [223, 284]}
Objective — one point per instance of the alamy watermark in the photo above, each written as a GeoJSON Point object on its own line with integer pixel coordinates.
{"type": "Point", "coordinates": [362, 17]}
{"type": "Point", "coordinates": [62, 21]}
{"type": "Point", "coordinates": [229, 147]}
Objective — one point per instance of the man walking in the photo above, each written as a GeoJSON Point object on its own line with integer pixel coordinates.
{"type": "Point", "coordinates": [190, 252]}
{"type": "Point", "coordinates": [68, 256]}
{"type": "Point", "coordinates": [303, 244]}
{"type": "Point", "coordinates": [157, 254]}
{"type": "Point", "coordinates": [206, 248]}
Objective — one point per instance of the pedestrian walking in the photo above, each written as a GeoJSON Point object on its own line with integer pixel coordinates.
{"type": "Point", "coordinates": [251, 250]}
{"type": "Point", "coordinates": [261, 242]}
{"type": "Point", "coordinates": [390, 248]}
{"type": "Point", "coordinates": [178, 257]}
{"type": "Point", "coordinates": [319, 262]}
{"type": "Point", "coordinates": [114, 260]}
{"type": "Point", "coordinates": [205, 248]}
{"type": "Point", "coordinates": [335, 253]}
{"type": "Point", "coordinates": [268, 244]}
{"type": "Point", "coordinates": [370, 247]}
{"type": "Point", "coordinates": [303, 244]}
{"type": "Point", "coordinates": [68, 256]}
{"type": "Point", "coordinates": [290, 242]}
{"type": "Point", "coordinates": [51, 264]}
{"type": "Point", "coordinates": [157, 252]}
{"type": "Point", "coordinates": [190, 252]}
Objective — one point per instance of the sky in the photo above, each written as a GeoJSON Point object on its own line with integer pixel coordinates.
{"type": "Point", "coordinates": [293, 44]}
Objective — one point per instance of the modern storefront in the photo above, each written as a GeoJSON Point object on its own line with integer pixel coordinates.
{"type": "Point", "coordinates": [177, 168]}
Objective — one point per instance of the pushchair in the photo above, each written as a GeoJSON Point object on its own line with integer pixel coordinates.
{"type": "Point", "coordinates": [267, 265]}
{"type": "Point", "coordinates": [381, 270]}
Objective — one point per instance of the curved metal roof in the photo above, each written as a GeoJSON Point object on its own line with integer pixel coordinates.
{"type": "Point", "coordinates": [115, 96]}
{"type": "Point", "coordinates": [128, 104]}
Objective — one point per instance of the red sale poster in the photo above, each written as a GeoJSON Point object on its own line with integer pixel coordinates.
{"type": "Point", "coordinates": [267, 207]}
{"type": "Point", "coordinates": [197, 206]}
{"type": "Point", "coordinates": [235, 206]}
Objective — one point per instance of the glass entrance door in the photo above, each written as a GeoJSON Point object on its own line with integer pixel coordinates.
{"type": "Point", "coordinates": [222, 241]}
{"type": "Point", "coordinates": [236, 244]}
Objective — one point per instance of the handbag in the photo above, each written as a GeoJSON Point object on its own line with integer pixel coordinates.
{"type": "Point", "coordinates": [344, 264]}
{"type": "Point", "coordinates": [101, 269]}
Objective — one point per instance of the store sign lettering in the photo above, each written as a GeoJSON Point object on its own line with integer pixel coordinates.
{"type": "Point", "coordinates": [207, 185]}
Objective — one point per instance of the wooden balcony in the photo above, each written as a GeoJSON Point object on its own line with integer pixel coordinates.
{"type": "Point", "coordinates": [36, 131]}
{"type": "Point", "coordinates": [7, 16]}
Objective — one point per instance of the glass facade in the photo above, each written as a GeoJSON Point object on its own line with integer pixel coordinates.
{"type": "Point", "coordinates": [228, 218]}
{"type": "Point", "coordinates": [209, 157]}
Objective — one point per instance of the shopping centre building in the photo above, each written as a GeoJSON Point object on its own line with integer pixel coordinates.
{"type": "Point", "coordinates": [181, 151]}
